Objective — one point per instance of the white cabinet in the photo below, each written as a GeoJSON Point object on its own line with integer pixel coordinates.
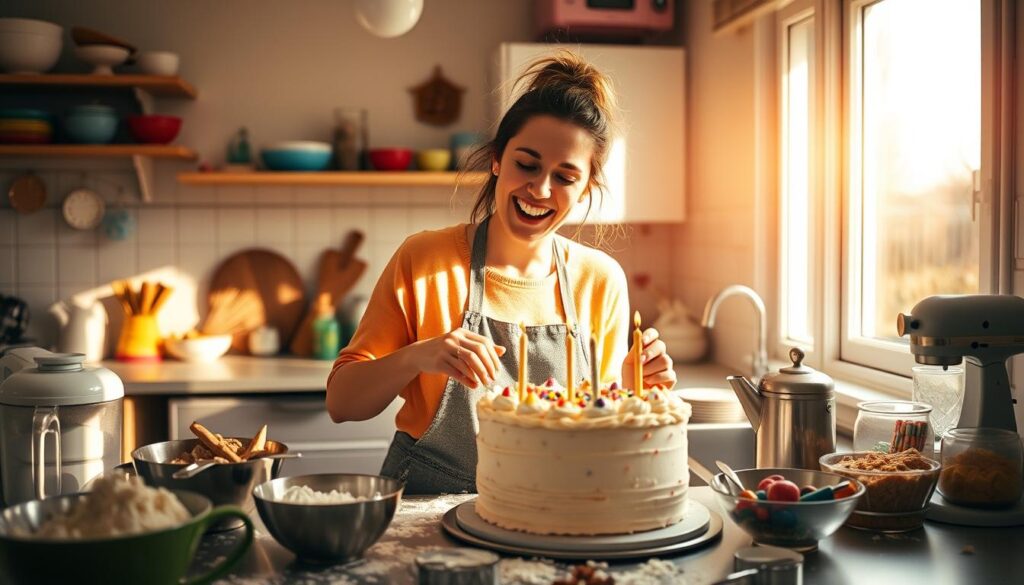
{"type": "Point", "coordinates": [646, 167]}
{"type": "Point", "coordinates": [299, 421]}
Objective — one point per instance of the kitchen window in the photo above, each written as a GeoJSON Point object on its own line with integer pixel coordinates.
{"type": "Point", "coordinates": [880, 105]}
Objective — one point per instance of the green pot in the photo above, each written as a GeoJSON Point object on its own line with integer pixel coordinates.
{"type": "Point", "coordinates": [153, 558]}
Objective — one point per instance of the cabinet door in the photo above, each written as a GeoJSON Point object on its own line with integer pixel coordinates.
{"type": "Point", "coordinates": [645, 170]}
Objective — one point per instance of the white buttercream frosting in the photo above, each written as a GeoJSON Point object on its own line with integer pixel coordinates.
{"type": "Point", "coordinates": [533, 405]}
{"type": "Point", "coordinates": [565, 409]}
{"type": "Point", "coordinates": [635, 405]}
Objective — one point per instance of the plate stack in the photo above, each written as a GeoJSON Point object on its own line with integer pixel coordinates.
{"type": "Point", "coordinates": [713, 405]}
{"type": "Point", "coordinates": [25, 126]}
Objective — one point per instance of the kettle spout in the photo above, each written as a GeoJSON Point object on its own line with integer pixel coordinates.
{"type": "Point", "coordinates": [750, 398]}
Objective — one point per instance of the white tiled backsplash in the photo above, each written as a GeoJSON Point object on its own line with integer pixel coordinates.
{"type": "Point", "coordinates": [192, 229]}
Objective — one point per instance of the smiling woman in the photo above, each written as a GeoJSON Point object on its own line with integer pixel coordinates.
{"type": "Point", "coordinates": [443, 322]}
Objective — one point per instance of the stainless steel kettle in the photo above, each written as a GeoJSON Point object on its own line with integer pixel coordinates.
{"type": "Point", "coordinates": [793, 413]}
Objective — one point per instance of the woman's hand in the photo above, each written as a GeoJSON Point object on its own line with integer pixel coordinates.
{"type": "Point", "coordinates": [657, 366]}
{"type": "Point", "coordinates": [470, 358]}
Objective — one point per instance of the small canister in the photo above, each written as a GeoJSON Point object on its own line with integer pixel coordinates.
{"type": "Point", "coordinates": [457, 566]}
{"type": "Point", "coordinates": [775, 565]}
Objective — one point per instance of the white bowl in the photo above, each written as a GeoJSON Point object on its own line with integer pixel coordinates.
{"type": "Point", "coordinates": [31, 26]}
{"type": "Point", "coordinates": [28, 52]}
{"type": "Point", "coordinates": [158, 62]}
{"type": "Point", "coordinates": [206, 348]}
{"type": "Point", "coordinates": [300, 145]}
{"type": "Point", "coordinates": [102, 57]}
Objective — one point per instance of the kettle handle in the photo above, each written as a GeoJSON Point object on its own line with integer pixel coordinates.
{"type": "Point", "coordinates": [44, 422]}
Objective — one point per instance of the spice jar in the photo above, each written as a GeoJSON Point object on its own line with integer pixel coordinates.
{"type": "Point", "coordinates": [892, 426]}
{"type": "Point", "coordinates": [981, 467]}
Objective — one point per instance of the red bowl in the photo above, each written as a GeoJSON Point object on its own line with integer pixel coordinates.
{"type": "Point", "coordinates": [390, 159]}
{"type": "Point", "coordinates": [153, 129]}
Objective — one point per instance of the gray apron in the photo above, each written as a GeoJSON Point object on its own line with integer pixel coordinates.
{"type": "Point", "coordinates": [443, 460]}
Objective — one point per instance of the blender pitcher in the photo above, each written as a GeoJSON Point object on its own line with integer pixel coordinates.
{"type": "Point", "coordinates": [60, 423]}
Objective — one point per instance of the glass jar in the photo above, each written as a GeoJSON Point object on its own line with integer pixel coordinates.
{"type": "Point", "coordinates": [943, 389]}
{"type": "Point", "coordinates": [981, 467]}
{"type": "Point", "coordinates": [350, 129]}
{"type": "Point", "coordinates": [891, 426]}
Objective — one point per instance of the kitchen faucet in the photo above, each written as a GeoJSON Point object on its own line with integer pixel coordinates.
{"type": "Point", "coordinates": [760, 361]}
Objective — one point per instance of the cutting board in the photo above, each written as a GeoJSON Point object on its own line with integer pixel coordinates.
{"type": "Point", "coordinates": [269, 278]}
{"type": "Point", "coordinates": [339, 272]}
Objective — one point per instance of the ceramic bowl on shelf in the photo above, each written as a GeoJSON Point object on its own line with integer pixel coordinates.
{"type": "Point", "coordinates": [297, 155]}
{"type": "Point", "coordinates": [798, 525]}
{"type": "Point", "coordinates": [434, 159]}
{"type": "Point", "coordinates": [91, 124]}
{"type": "Point", "coordinates": [103, 58]}
{"type": "Point", "coordinates": [329, 532]}
{"type": "Point", "coordinates": [28, 45]}
{"type": "Point", "coordinates": [157, 62]}
{"type": "Point", "coordinates": [390, 159]}
{"type": "Point", "coordinates": [154, 129]}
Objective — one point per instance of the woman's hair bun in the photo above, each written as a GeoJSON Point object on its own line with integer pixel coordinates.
{"type": "Point", "coordinates": [567, 72]}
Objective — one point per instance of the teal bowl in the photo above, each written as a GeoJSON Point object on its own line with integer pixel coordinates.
{"type": "Point", "coordinates": [297, 156]}
{"type": "Point", "coordinates": [155, 558]}
{"type": "Point", "coordinates": [90, 128]}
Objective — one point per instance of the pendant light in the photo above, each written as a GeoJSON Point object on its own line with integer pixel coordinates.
{"type": "Point", "coordinates": [388, 18]}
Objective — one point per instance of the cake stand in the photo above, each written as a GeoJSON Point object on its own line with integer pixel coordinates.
{"type": "Point", "coordinates": [699, 528]}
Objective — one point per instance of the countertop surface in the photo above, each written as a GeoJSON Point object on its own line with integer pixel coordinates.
{"type": "Point", "coordinates": [937, 554]}
{"type": "Point", "coordinates": [246, 374]}
{"type": "Point", "coordinates": [229, 374]}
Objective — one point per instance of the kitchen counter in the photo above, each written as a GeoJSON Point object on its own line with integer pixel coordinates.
{"type": "Point", "coordinates": [937, 554]}
{"type": "Point", "coordinates": [228, 375]}
{"type": "Point", "coordinates": [246, 374]}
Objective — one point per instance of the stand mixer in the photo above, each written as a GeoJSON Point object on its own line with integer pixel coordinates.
{"type": "Point", "coordinates": [984, 331]}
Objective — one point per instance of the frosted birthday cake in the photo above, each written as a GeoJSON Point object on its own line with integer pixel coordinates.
{"type": "Point", "coordinates": [612, 465]}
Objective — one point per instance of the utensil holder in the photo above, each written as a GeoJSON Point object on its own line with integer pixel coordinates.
{"type": "Point", "coordinates": [139, 340]}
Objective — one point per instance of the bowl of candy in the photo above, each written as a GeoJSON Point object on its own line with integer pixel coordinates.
{"type": "Point", "coordinates": [792, 508]}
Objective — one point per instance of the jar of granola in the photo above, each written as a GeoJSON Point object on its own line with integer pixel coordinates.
{"type": "Point", "coordinates": [981, 467]}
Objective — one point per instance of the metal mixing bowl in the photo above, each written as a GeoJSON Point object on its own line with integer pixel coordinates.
{"type": "Point", "coordinates": [329, 533]}
{"type": "Point", "coordinates": [797, 525]}
{"type": "Point", "coordinates": [224, 484]}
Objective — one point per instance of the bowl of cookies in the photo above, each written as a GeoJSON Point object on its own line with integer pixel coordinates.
{"type": "Point", "coordinates": [899, 486]}
{"type": "Point", "coordinates": [224, 469]}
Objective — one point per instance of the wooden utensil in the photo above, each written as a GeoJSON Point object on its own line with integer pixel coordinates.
{"type": "Point", "coordinates": [27, 193]}
{"type": "Point", "coordinates": [339, 272]}
{"type": "Point", "coordinates": [258, 287]}
{"type": "Point", "coordinates": [87, 36]}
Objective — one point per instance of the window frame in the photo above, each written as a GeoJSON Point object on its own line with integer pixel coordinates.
{"type": "Point", "coordinates": [833, 31]}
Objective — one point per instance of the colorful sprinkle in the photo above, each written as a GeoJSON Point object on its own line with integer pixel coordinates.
{"type": "Point", "coordinates": [506, 392]}
{"type": "Point", "coordinates": [614, 386]}
{"type": "Point", "coordinates": [600, 403]}
{"type": "Point", "coordinates": [550, 382]}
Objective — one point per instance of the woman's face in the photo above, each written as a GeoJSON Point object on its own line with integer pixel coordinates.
{"type": "Point", "coordinates": [543, 174]}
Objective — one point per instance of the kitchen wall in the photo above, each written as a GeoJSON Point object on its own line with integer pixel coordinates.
{"type": "Point", "coordinates": [278, 69]}
{"type": "Point", "coordinates": [717, 245]}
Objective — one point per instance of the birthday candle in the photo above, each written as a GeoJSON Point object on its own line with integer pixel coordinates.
{"type": "Point", "coordinates": [595, 376]}
{"type": "Point", "coordinates": [570, 384]}
{"type": "Point", "coordinates": [522, 362]}
{"type": "Point", "coordinates": [638, 347]}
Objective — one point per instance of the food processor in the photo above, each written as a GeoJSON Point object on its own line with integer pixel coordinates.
{"type": "Point", "coordinates": [60, 423]}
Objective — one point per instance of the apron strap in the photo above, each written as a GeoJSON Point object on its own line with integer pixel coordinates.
{"type": "Point", "coordinates": [477, 267]}
{"type": "Point", "coordinates": [477, 276]}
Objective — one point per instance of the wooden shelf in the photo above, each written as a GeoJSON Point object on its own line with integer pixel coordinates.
{"type": "Point", "coordinates": [161, 85]}
{"type": "Point", "coordinates": [109, 150]}
{"type": "Point", "coordinates": [350, 178]}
